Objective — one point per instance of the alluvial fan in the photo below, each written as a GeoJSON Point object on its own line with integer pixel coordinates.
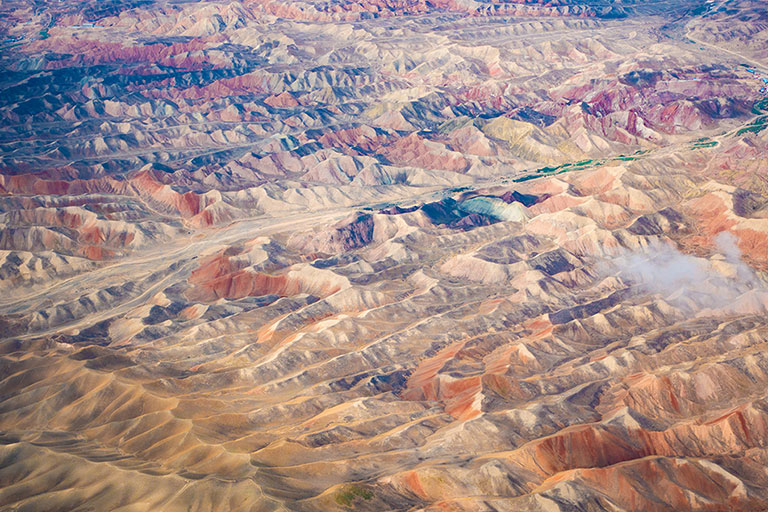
{"type": "Point", "coordinates": [383, 255]}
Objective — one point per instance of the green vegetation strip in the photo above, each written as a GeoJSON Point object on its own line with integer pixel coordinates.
{"type": "Point", "coordinates": [579, 166]}
{"type": "Point", "coordinates": [704, 144]}
{"type": "Point", "coordinates": [756, 127]}
{"type": "Point", "coordinates": [351, 493]}
{"type": "Point", "coordinates": [760, 106]}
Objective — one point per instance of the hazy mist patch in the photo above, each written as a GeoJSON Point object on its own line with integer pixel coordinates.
{"type": "Point", "coordinates": [722, 282]}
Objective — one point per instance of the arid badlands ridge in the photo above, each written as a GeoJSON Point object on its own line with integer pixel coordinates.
{"type": "Point", "coordinates": [383, 255]}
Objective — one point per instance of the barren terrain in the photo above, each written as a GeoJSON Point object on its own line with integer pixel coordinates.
{"type": "Point", "coordinates": [383, 255]}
